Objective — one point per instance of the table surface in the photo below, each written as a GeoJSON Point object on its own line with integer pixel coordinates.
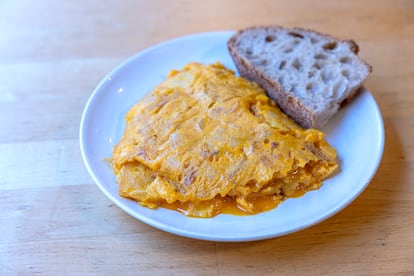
{"type": "Point", "coordinates": [56, 221]}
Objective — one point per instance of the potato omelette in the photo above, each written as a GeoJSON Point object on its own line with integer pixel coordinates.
{"type": "Point", "coordinates": [206, 142]}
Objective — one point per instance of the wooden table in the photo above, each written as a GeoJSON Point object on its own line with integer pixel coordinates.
{"type": "Point", "coordinates": [54, 220]}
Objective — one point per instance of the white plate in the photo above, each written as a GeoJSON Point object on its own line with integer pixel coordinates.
{"type": "Point", "coordinates": [356, 132]}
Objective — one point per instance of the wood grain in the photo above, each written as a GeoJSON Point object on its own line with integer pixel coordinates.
{"type": "Point", "coordinates": [54, 220]}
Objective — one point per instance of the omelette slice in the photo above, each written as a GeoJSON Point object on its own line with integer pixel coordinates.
{"type": "Point", "coordinates": [206, 142]}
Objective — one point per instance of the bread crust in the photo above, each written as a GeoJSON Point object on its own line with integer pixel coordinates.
{"type": "Point", "coordinates": [291, 105]}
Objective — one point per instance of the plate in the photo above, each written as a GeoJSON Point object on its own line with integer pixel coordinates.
{"type": "Point", "coordinates": [356, 132]}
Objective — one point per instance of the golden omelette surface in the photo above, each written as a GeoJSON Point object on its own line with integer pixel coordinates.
{"type": "Point", "coordinates": [206, 142]}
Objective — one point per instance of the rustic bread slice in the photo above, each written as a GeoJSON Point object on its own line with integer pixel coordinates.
{"type": "Point", "coordinates": [307, 73]}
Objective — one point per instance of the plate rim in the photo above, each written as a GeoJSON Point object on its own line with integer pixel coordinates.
{"type": "Point", "coordinates": [212, 237]}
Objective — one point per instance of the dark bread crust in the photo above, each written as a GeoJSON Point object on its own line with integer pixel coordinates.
{"type": "Point", "coordinates": [289, 104]}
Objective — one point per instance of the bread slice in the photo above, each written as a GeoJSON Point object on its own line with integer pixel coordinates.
{"type": "Point", "coordinates": [307, 73]}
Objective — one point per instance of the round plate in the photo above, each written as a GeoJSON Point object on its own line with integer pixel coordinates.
{"type": "Point", "coordinates": [356, 132]}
